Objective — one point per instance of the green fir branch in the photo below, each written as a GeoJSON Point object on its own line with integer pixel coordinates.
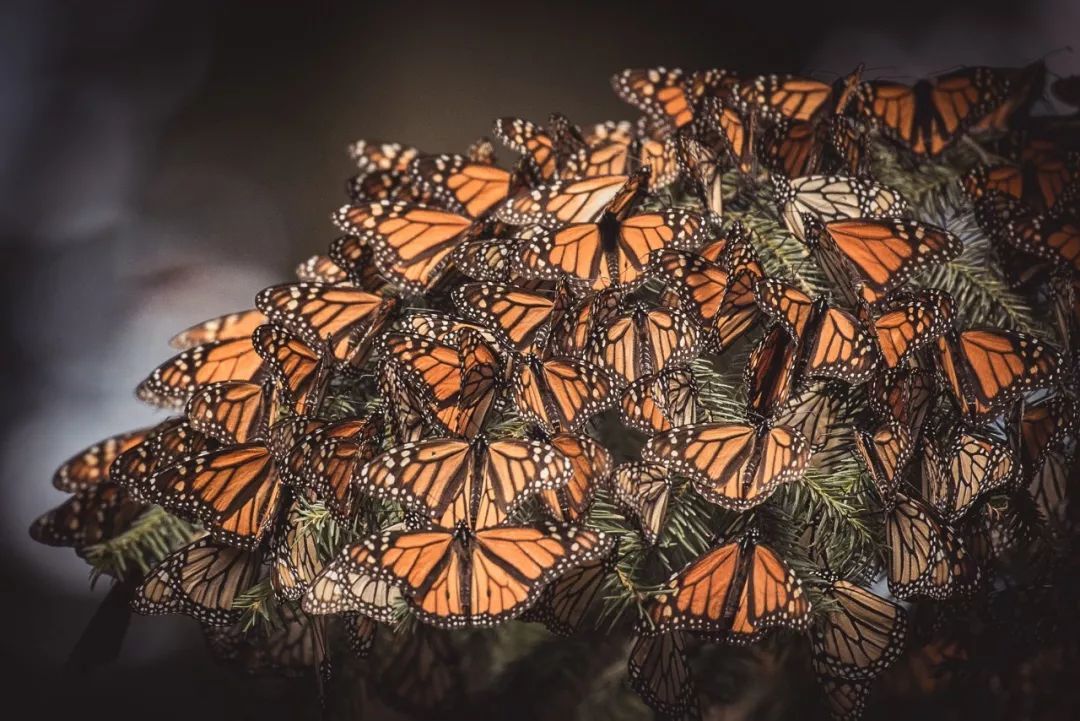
{"type": "Point", "coordinates": [150, 538]}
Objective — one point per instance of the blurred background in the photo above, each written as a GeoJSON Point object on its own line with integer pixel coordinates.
{"type": "Point", "coordinates": [160, 162]}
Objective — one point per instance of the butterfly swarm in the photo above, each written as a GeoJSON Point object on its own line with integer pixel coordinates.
{"type": "Point", "coordinates": [747, 390]}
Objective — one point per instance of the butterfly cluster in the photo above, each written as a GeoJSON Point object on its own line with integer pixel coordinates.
{"type": "Point", "coordinates": [502, 391]}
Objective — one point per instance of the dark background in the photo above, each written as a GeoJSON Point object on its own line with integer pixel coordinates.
{"type": "Point", "coordinates": [162, 161]}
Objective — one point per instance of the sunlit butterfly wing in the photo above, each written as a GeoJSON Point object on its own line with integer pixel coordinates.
{"type": "Point", "coordinates": [90, 466]}
{"type": "Point", "coordinates": [227, 327]}
{"type": "Point", "coordinates": [460, 185]}
{"type": "Point", "coordinates": [885, 254]}
{"type": "Point", "coordinates": [234, 491]}
{"type": "Point", "coordinates": [320, 269]}
{"type": "Point", "coordinates": [519, 319]}
{"type": "Point", "coordinates": [560, 394]}
{"type": "Point", "coordinates": [731, 464]}
{"type": "Point", "coordinates": [659, 93]}
{"type": "Point", "coordinates": [410, 242]}
{"type": "Point", "coordinates": [232, 411]}
{"type": "Point", "coordinates": [562, 202]}
{"type": "Point", "coordinates": [174, 381]}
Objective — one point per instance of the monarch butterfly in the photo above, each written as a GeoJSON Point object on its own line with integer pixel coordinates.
{"type": "Point", "coordinates": [933, 114]}
{"type": "Point", "coordinates": [167, 443]}
{"type": "Point", "coordinates": [202, 580]}
{"type": "Point", "coordinates": [560, 394]}
{"type": "Point", "coordinates": [234, 491]}
{"type": "Point", "coordinates": [341, 587]}
{"type": "Point", "coordinates": [720, 300]}
{"type": "Point", "coordinates": [645, 490]}
{"type": "Point", "coordinates": [737, 130]}
{"type": "Point", "coordinates": [231, 326]}
{"type": "Point", "coordinates": [1041, 184]}
{"type": "Point", "coordinates": [660, 402]}
{"type": "Point", "coordinates": [699, 166]}
{"type": "Point", "coordinates": [562, 202]}
{"type": "Point", "coordinates": [294, 556]}
{"type": "Point", "coordinates": [613, 252]}
{"type": "Point", "coordinates": [735, 593]}
{"type": "Point", "coordinates": [908, 322]}
{"type": "Point", "coordinates": [172, 383]}
{"type": "Point", "coordinates": [1024, 86]}
{"type": "Point", "coordinates": [232, 411]}
{"type": "Point", "coordinates": [520, 319]}
{"type": "Point", "coordinates": [800, 112]}
{"type": "Point", "coordinates": [975, 465]}
{"type": "Point", "coordinates": [860, 636]}
{"type": "Point", "coordinates": [319, 269]}
{"type": "Point", "coordinates": [810, 339]}
{"type": "Point", "coordinates": [833, 197]}
{"type": "Point", "coordinates": [298, 371]}
{"type": "Point", "coordinates": [590, 462]}
{"type": "Point", "coordinates": [605, 150]}
{"type": "Point", "coordinates": [1049, 477]}
{"type": "Point", "coordinates": [456, 386]}
{"type": "Point", "coordinates": [643, 342]}
{"type": "Point", "coordinates": [93, 514]}
{"type": "Point", "coordinates": [478, 483]}
{"type": "Point", "coordinates": [886, 451]}
{"type": "Point", "coordinates": [1039, 425]}
{"type": "Point", "coordinates": [537, 146]}
{"type": "Point", "coordinates": [788, 97]}
{"type": "Point", "coordinates": [669, 97]}
{"type": "Point", "coordinates": [565, 605]}
{"type": "Point", "coordinates": [987, 369]}
{"type": "Point", "coordinates": [816, 411]}
{"type": "Point", "coordinates": [467, 577]}
{"type": "Point", "coordinates": [660, 673]}
{"type": "Point", "coordinates": [1052, 236]}
{"type": "Point", "coordinates": [423, 674]}
{"type": "Point", "coordinates": [733, 465]}
{"type": "Point", "coordinates": [906, 397]}
{"type": "Point", "coordinates": [346, 319]}
{"type": "Point", "coordinates": [659, 152]}
{"type": "Point", "coordinates": [493, 258]}
{"type": "Point", "coordinates": [360, 632]}
{"type": "Point", "coordinates": [294, 646]}
{"type": "Point", "coordinates": [90, 466]}
{"type": "Point", "coordinates": [356, 259]}
{"type": "Point", "coordinates": [410, 243]}
{"type": "Point", "coordinates": [845, 699]}
{"type": "Point", "coordinates": [469, 187]}
{"type": "Point", "coordinates": [372, 156]}
{"type": "Point", "coordinates": [925, 557]}
{"type": "Point", "coordinates": [562, 151]}
{"type": "Point", "coordinates": [882, 255]}
{"type": "Point", "coordinates": [406, 414]}
{"type": "Point", "coordinates": [325, 460]}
